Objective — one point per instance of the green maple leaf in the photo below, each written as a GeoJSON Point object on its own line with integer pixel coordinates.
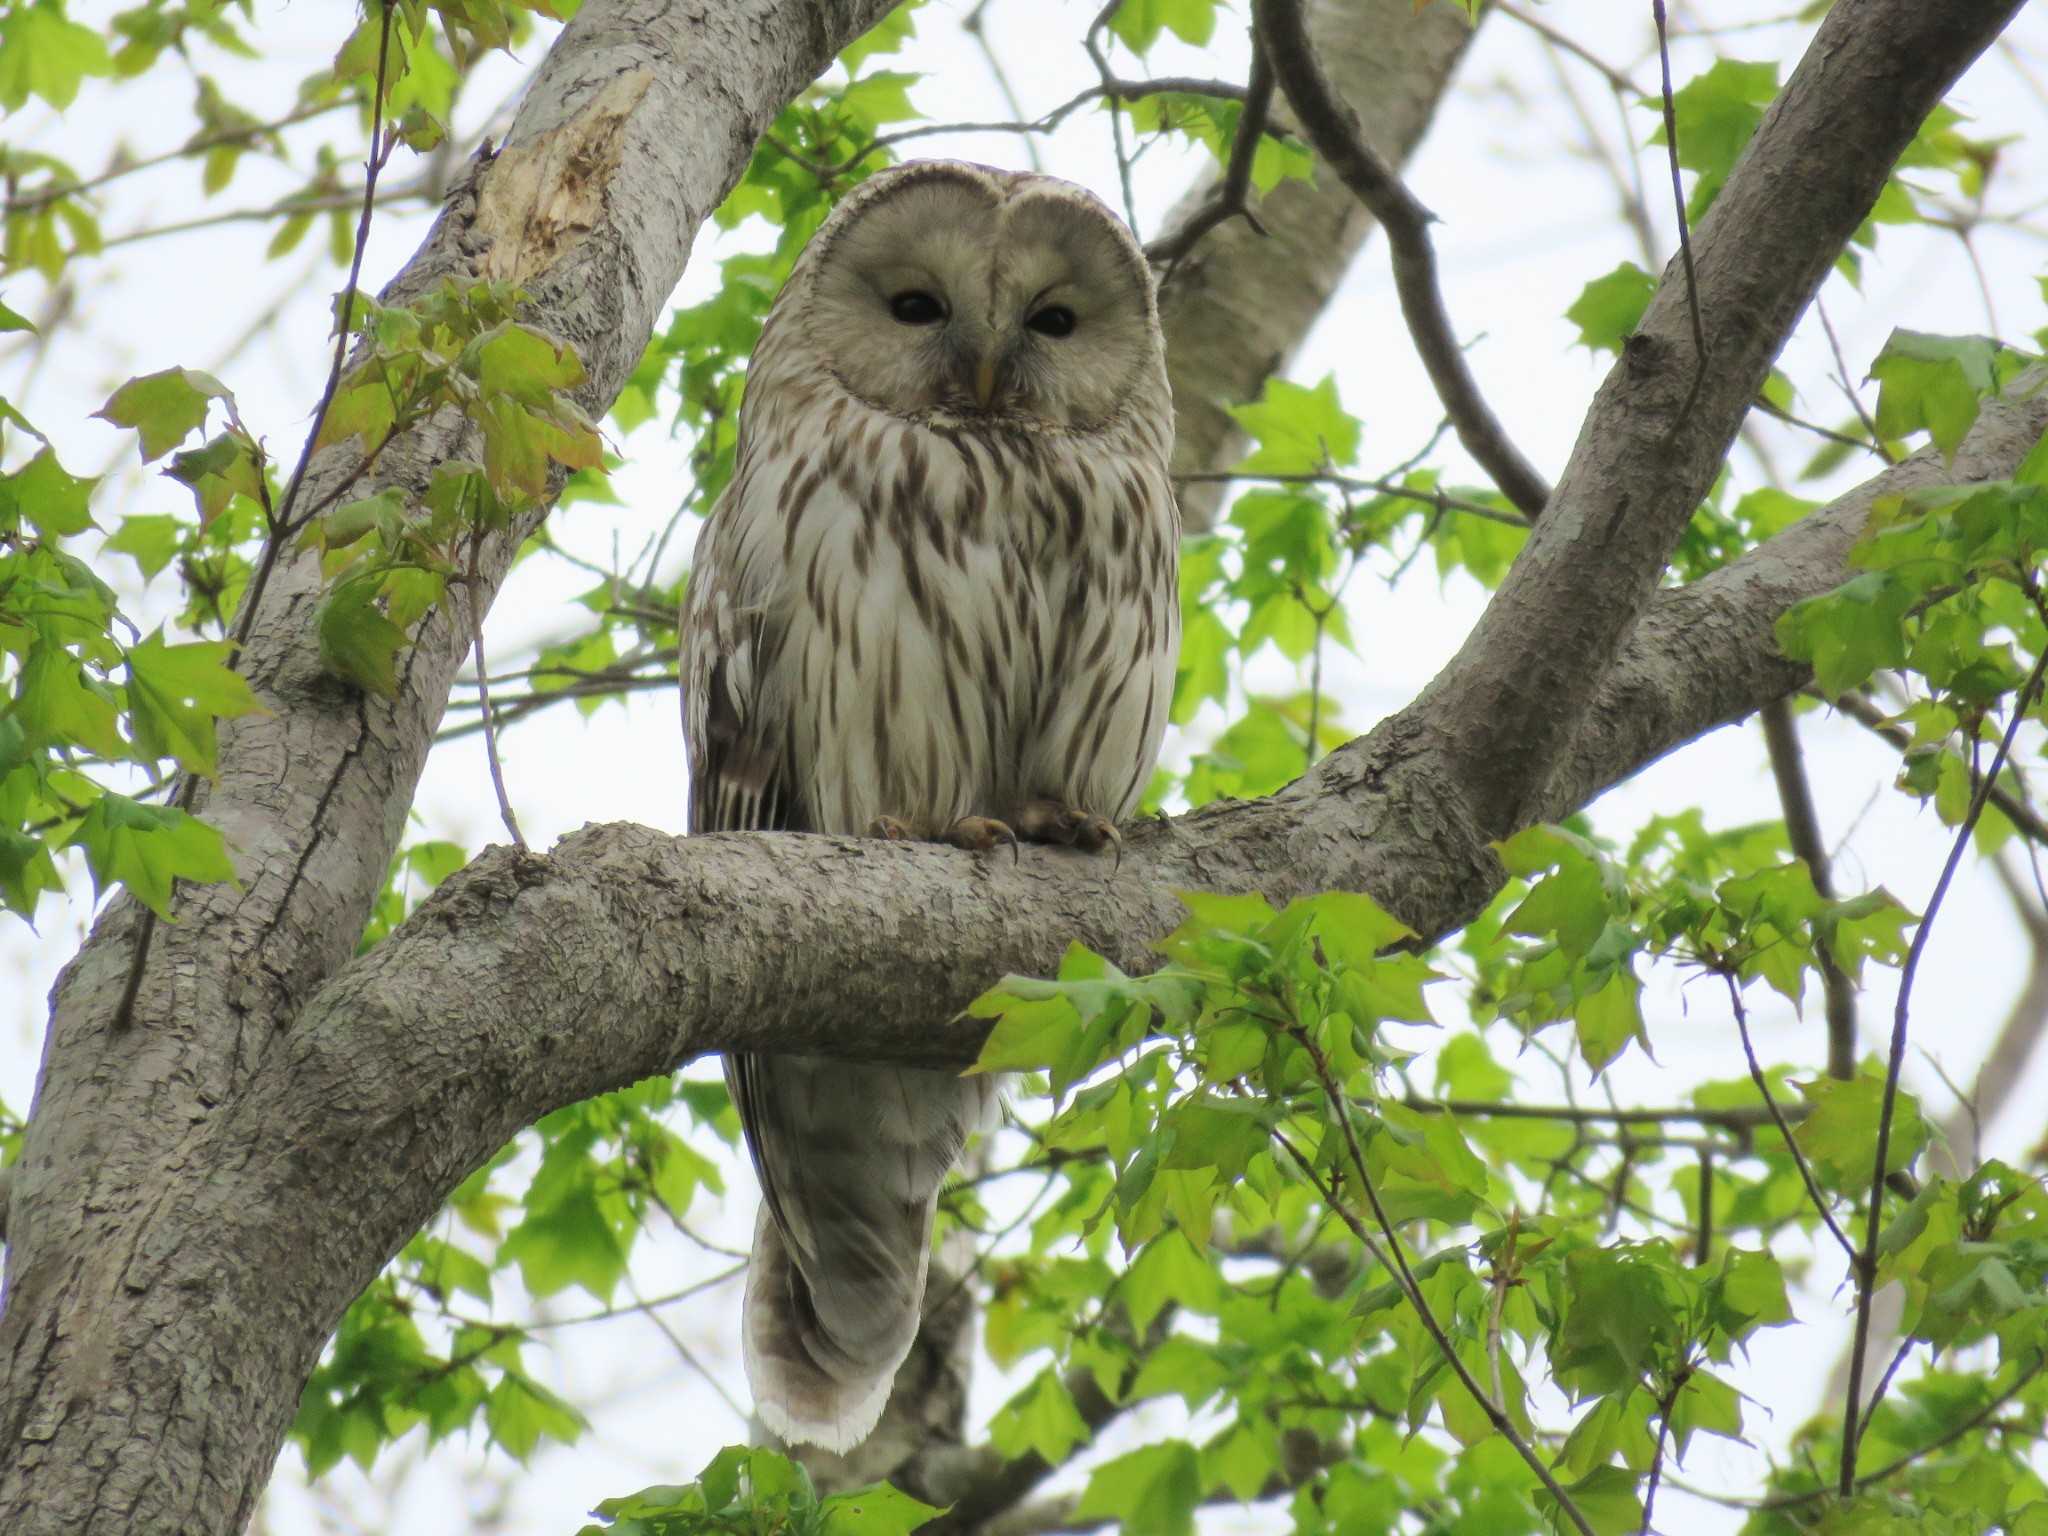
{"type": "Point", "coordinates": [176, 692]}
{"type": "Point", "coordinates": [164, 408]}
{"type": "Point", "coordinates": [146, 847]}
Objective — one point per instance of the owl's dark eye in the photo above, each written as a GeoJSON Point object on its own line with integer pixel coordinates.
{"type": "Point", "coordinates": [916, 307]}
{"type": "Point", "coordinates": [1054, 320]}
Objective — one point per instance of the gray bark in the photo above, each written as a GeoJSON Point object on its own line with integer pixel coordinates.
{"type": "Point", "coordinates": [201, 1197]}
{"type": "Point", "coordinates": [161, 1312]}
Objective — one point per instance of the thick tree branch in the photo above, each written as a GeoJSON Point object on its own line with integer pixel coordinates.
{"type": "Point", "coordinates": [1705, 654]}
{"type": "Point", "coordinates": [122, 1257]}
{"type": "Point", "coordinates": [1512, 699]}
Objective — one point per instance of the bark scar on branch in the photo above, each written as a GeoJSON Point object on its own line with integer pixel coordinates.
{"type": "Point", "coordinates": [538, 199]}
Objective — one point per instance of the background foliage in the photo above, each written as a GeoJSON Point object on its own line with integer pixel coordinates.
{"type": "Point", "coordinates": [1360, 1235]}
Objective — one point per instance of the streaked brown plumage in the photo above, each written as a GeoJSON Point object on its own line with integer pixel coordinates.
{"type": "Point", "coordinates": [938, 599]}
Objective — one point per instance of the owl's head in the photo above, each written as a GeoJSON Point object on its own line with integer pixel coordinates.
{"type": "Point", "coordinates": [942, 286]}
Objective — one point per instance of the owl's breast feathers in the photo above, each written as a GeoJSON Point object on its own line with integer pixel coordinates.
{"type": "Point", "coordinates": [958, 619]}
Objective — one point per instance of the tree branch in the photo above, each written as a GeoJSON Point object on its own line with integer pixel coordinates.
{"type": "Point", "coordinates": [1334, 130]}
{"type": "Point", "coordinates": [1802, 832]}
{"type": "Point", "coordinates": [1512, 698]}
{"type": "Point", "coordinates": [124, 1254]}
{"type": "Point", "coordinates": [1705, 654]}
{"type": "Point", "coordinates": [1229, 325]}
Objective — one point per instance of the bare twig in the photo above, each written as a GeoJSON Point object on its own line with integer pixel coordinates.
{"type": "Point", "coordinates": [1883, 1385]}
{"type": "Point", "coordinates": [1802, 831]}
{"type": "Point", "coordinates": [325, 202]}
{"type": "Point", "coordinates": [686, 1354]}
{"type": "Point", "coordinates": [1333, 129]}
{"type": "Point", "coordinates": [1617, 80]}
{"type": "Point", "coordinates": [1846, 439]}
{"type": "Point", "coordinates": [1092, 42]}
{"type": "Point", "coordinates": [1842, 378]}
{"type": "Point", "coordinates": [1756, 1075]}
{"type": "Point", "coordinates": [1866, 1268]}
{"type": "Point", "coordinates": [199, 145]}
{"type": "Point", "coordinates": [971, 24]}
{"type": "Point", "coordinates": [1692, 285]}
{"type": "Point", "coordinates": [1230, 197]}
{"type": "Point", "coordinates": [1114, 88]}
{"type": "Point", "coordinates": [483, 694]}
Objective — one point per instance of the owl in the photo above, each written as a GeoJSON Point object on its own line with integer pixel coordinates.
{"type": "Point", "coordinates": [939, 601]}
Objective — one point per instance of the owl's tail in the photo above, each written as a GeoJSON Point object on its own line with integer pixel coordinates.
{"type": "Point", "coordinates": [851, 1159]}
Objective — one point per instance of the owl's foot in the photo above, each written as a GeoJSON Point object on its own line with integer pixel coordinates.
{"type": "Point", "coordinates": [975, 834]}
{"type": "Point", "coordinates": [1048, 821]}
{"type": "Point", "coordinates": [978, 834]}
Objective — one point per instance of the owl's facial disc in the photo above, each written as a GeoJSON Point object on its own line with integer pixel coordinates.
{"type": "Point", "coordinates": [1025, 305]}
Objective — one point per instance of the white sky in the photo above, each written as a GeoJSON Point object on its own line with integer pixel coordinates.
{"type": "Point", "coordinates": [1525, 222]}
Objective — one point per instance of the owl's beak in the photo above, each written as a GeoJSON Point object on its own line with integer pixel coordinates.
{"type": "Point", "coordinates": [985, 380]}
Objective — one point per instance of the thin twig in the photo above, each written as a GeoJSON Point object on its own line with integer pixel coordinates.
{"type": "Point", "coordinates": [1846, 439]}
{"type": "Point", "coordinates": [1858, 707]}
{"type": "Point", "coordinates": [1870, 1479]}
{"type": "Point", "coordinates": [687, 1355]}
{"type": "Point", "coordinates": [1703, 1247]}
{"type": "Point", "coordinates": [1802, 832]}
{"type": "Point", "coordinates": [1437, 499]}
{"type": "Point", "coordinates": [1763, 1087]}
{"type": "Point", "coordinates": [483, 695]}
{"type": "Point", "coordinates": [971, 24]}
{"type": "Point", "coordinates": [1664, 1408]}
{"type": "Point", "coordinates": [1866, 1269]}
{"type": "Point", "coordinates": [1230, 197]}
{"type": "Point", "coordinates": [1334, 130]}
{"type": "Point", "coordinates": [1741, 1118]}
{"type": "Point", "coordinates": [1397, 1261]}
{"type": "Point", "coordinates": [324, 202]}
{"type": "Point", "coordinates": [44, 196]}
{"type": "Point", "coordinates": [1863, 415]}
{"type": "Point", "coordinates": [1883, 1385]}
{"type": "Point", "coordinates": [1114, 88]}
{"type": "Point", "coordinates": [1617, 80]}
{"type": "Point", "coordinates": [1692, 285]}
{"type": "Point", "coordinates": [1092, 42]}
{"type": "Point", "coordinates": [276, 525]}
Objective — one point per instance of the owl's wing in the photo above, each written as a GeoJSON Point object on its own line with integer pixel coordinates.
{"type": "Point", "coordinates": [741, 771]}
{"type": "Point", "coordinates": [741, 777]}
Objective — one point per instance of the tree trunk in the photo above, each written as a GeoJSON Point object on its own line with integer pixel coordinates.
{"type": "Point", "coordinates": [169, 1283]}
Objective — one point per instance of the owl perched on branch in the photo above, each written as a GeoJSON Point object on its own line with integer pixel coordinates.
{"type": "Point", "coordinates": [938, 600]}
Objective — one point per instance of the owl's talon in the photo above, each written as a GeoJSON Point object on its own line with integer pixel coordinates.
{"type": "Point", "coordinates": [978, 834]}
{"type": "Point", "coordinates": [1048, 821]}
